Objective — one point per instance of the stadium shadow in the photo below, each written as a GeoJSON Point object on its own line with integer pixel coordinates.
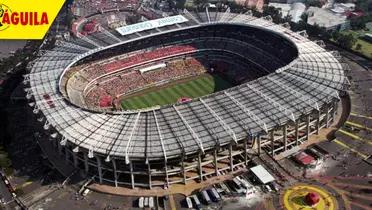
{"type": "Point", "coordinates": [343, 117]}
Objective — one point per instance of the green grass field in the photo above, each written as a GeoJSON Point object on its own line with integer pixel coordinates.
{"type": "Point", "coordinates": [366, 47]}
{"type": "Point", "coordinates": [193, 88]}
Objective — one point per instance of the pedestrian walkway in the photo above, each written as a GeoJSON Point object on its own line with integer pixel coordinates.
{"type": "Point", "coordinates": [183, 189]}
{"type": "Point", "coordinates": [363, 156]}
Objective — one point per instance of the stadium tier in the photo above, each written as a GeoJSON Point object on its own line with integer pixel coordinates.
{"type": "Point", "coordinates": [289, 89]}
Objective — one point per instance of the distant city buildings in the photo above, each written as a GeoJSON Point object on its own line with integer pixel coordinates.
{"type": "Point", "coordinates": [258, 4]}
{"type": "Point", "coordinates": [332, 16]}
{"type": "Point", "coordinates": [294, 10]}
{"type": "Point", "coordinates": [327, 19]}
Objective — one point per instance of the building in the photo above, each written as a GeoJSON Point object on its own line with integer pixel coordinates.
{"type": "Point", "coordinates": [258, 4]}
{"type": "Point", "coordinates": [262, 174]}
{"type": "Point", "coordinates": [295, 94]}
{"type": "Point", "coordinates": [294, 10]}
{"type": "Point", "coordinates": [297, 9]}
{"type": "Point", "coordinates": [342, 8]}
{"type": "Point", "coordinates": [328, 19]}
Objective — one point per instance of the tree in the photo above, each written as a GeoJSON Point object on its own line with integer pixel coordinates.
{"type": "Point", "coordinates": [358, 47]}
{"type": "Point", "coordinates": [362, 5]}
{"type": "Point", "coordinates": [275, 13]}
{"type": "Point", "coordinates": [200, 3]}
{"type": "Point", "coordinates": [180, 4]}
{"type": "Point", "coordinates": [357, 23]}
{"type": "Point", "coordinates": [313, 3]}
{"type": "Point", "coordinates": [304, 17]}
{"type": "Point", "coordinates": [314, 30]}
{"type": "Point", "coordinates": [236, 8]}
{"type": "Point", "coordinates": [346, 41]}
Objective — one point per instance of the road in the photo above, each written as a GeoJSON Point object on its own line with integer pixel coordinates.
{"type": "Point", "coordinates": [7, 196]}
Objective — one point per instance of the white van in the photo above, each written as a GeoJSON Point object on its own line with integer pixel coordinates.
{"type": "Point", "coordinates": [151, 202]}
{"type": "Point", "coordinates": [206, 197]}
{"type": "Point", "coordinates": [188, 203]}
{"type": "Point", "coordinates": [141, 202]}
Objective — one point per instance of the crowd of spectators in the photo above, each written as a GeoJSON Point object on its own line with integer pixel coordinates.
{"type": "Point", "coordinates": [91, 71]}
{"type": "Point", "coordinates": [93, 97]}
{"type": "Point", "coordinates": [177, 69]}
{"type": "Point", "coordinates": [140, 58]}
{"type": "Point", "coordinates": [126, 82]}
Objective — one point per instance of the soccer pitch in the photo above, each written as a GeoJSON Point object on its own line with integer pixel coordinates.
{"type": "Point", "coordinates": [193, 88]}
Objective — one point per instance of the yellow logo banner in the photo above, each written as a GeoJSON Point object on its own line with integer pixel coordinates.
{"type": "Point", "coordinates": [27, 19]}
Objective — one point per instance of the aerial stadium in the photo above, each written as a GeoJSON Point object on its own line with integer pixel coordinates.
{"type": "Point", "coordinates": [182, 98]}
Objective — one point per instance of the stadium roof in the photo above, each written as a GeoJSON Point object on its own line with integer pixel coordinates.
{"type": "Point", "coordinates": [172, 131]}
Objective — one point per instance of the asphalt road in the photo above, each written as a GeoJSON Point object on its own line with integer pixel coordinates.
{"type": "Point", "coordinates": [5, 194]}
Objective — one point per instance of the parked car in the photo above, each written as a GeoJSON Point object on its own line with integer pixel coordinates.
{"type": "Point", "coordinates": [268, 188]}
{"type": "Point", "coordinates": [188, 202]}
{"type": "Point", "coordinates": [275, 186]}
{"type": "Point", "coordinates": [151, 202]}
{"type": "Point", "coordinates": [141, 202]}
{"type": "Point", "coordinates": [85, 192]}
{"type": "Point", "coordinates": [196, 201]}
{"type": "Point", "coordinates": [206, 197]}
{"type": "Point", "coordinates": [214, 195]}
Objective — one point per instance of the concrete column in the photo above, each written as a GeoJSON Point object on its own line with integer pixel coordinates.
{"type": "Point", "coordinates": [327, 115]}
{"type": "Point", "coordinates": [166, 173]}
{"type": "Point", "coordinates": [131, 174]}
{"type": "Point", "coordinates": [183, 171]}
{"type": "Point", "coordinates": [296, 132]}
{"type": "Point", "coordinates": [215, 162]}
{"type": "Point", "coordinates": [318, 122]}
{"type": "Point", "coordinates": [272, 143]}
{"type": "Point", "coordinates": [99, 167]}
{"type": "Point", "coordinates": [231, 158]}
{"type": "Point", "coordinates": [149, 174]}
{"type": "Point", "coordinates": [334, 110]}
{"type": "Point", "coordinates": [115, 172]}
{"type": "Point", "coordinates": [245, 151]}
{"type": "Point", "coordinates": [54, 143]}
{"type": "Point", "coordinates": [74, 157]}
{"type": "Point", "coordinates": [59, 148]}
{"type": "Point", "coordinates": [86, 165]}
{"type": "Point", "coordinates": [67, 154]}
{"type": "Point", "coordinates": [307, 127]}
{"type": "Point", "coordinates": [285, 139]}
{"type": "Point", "coordinates": [259, 144]}
{"type": "Point", "coordinates": [200, 168]}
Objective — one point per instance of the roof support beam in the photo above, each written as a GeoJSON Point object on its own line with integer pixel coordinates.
{"type": "Point", "coordinates": [110, 34]}
{"type": "Point", "coordinates": [206, 10]}
{"type": "Point", "coordinates": [312, 84]}
{"type": "Point", "coordinates": [224, 125]}
{"type": "Point", "coordinates": [227, 12]}
{"type": "Point", "coordinates": [90, 41]}
{"type": "Point", "coordinates": [311, 102]}
{"type": "Point", "coordinates": [111, 125]}
{"type": "Point", "coordinates": [130, 138]}
{"type": "Point", "coordinates": [257, 120]}
{"type": "Point", "coordinates": [281, 108]}
{"type": "Point", "coordinates": [161, 137]}
{"type": "Point", "coordinates": [190, 15]}
{"type": "Point", "coordinates": [196, 137]}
